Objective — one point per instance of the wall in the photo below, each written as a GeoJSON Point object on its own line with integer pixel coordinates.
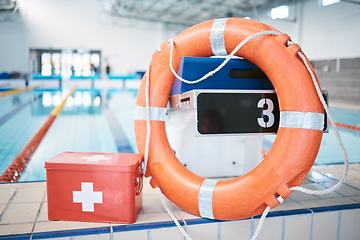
{"type": "Point", "coordinates": [126, 44]}
{"type": "Point", "coordinates": [332, 31]}
{"type": "Point", "coordinates": [329, 37]}
{"type": "Point", "coordinates": [322, 32]}
{"type": "Point", "coordinates": [340, 77]}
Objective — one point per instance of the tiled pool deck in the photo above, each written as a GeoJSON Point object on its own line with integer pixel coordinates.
{"type": "Point", "coordinates": [23, 208]}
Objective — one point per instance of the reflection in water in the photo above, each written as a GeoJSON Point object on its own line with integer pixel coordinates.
{"type": "Point", "coordinates": [82, 102]}
{"type": "Point", "coordinates": [16, 101]}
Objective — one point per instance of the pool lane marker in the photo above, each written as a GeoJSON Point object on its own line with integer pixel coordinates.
{"type": "Point", "coordinates": [121, 141]}
{"type": "Point", "coordinates": [17, 90]}
{"type": "Point", "coordinates": [347, 126]}
{"type": "Point", "coordinates": [18, 165]}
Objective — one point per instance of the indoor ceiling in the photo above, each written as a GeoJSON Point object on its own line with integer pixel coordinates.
{"type": "Point", "coordinates": [7, 5]}
{"type": "Point", "coordinates": [7, 9]}
{"type": "Point", "coordinates": [188, 12]}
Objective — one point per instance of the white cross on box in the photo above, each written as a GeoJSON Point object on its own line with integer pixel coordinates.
{"type": "Point", "coordinates": [87, 197]}
{"type": "Point", "coordinates": [96, 158]}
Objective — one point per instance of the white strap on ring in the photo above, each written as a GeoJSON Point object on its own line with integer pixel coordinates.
{"type": "Point", "coordinates": [217, 39]}
{"type": "Point", "coordinates": [156, 113]}
{"type": "Point", "coordinates": [304, 120]}
{"type": "Point", "coordinates": [205, 198]}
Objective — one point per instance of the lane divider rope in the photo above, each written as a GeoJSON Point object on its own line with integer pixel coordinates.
{"type": "Point", "coordinates": [18, 165]}
{"type": "Point", "coordinates": [347, 126]}
{"type": "Point", "coordinates": [17, 90]}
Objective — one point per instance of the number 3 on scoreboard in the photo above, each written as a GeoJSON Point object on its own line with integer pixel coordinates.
{"type": "Point", "coordinates": [266, 112]}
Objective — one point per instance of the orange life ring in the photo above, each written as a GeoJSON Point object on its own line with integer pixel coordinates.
{"type": "Point", "coordinates": [298, 138]}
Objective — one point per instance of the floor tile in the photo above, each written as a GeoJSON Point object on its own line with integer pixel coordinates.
{"type": "Point", "coordinates": [26, 203]}
{"type": "Point", "coordinates": [356, 198]}
{"type": "Point", "coordinates": [334, 174]}
{"type": "Point", "coordinates": [288, 206]}
{"type": "Point", "coordinates": [290, 199]}
{"type": "Point", "coordinates": [297, 227]}
{"type": "Point", "coordinates": [353, 183]}
{"type": "Point", "coordinates": [317, 177]}
{"type": "Point", "coordinates": [65, 225]}
{"type": "Point", "coordinates": [331, 171]}
{"type": "Point", "coordinates": [131, 235]}
{"type": "Point", "coordinates": [339, 167]}
{"type": "Point", "coordinates": [354, 173]}
{"type": "Point", "coordinates": [327, 202]}
{"type": "Point", "coordinates": [325, 225]}
{"type": "Point", "coordinates": [186, 215]}
{"type": "Point", "coordinates": [29, 195]}
{"type": "Point", "coordinates": [153, 217]}
{"type": "Point", "coordinates": [21, 213]}
{"type": "Point", "coordinates": [272, 228]}
{"type": "Point", "coordinates": [172, 233]}
{"type": "Point", "coordinates": [63, 238]}
{"type": "Point", "coordinates": [148, 188]}
{"type": "Point", "coordinates": [10, 229]}
{"type": "Point", "coordinates": [349, 229]}
{"type": "Point", "coordinates": [240, 230]}
{"type": "Point", "coordinates": [92, 237]}
{"type": "Point", "coordinates": [152, 204]}
{"type": "Point", "coordinates": [6, 195]}
{"type": "Point", "coordinates": [319, 168]}
{"type": "Point", "coordinates": [355, 166]}
{"type": "Point", "coordinates": [17, 185]}
{"type": "Point", "coordinates": [203, 231]}
{"type": "Point", "coordinates": [345, 190]}
{"type": "Point", "coordinates": [306, 181]}
{"type": "Point", "coordinates": [300, 196]}
{"type": "Point", "coordinates": [2, 207]}
{"type": "Point", "coordinates": [318, 186]}
{"type": "Point", "coordinates": [43, 216]}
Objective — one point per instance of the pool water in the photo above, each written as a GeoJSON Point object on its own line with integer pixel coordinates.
{"type": "Point", "coordinates": [91, 121]}
{"type": "Point", "coordinates": [330, 152]}
{"type": "Point", "coordinates": [102, 121]}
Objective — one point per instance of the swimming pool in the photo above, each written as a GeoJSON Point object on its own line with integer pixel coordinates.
{"type": "Point", "coordinates": [102, 121]}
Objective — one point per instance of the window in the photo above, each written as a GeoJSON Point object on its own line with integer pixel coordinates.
{"type": "Point", "coordinates": [327, 2]}
{"type": "Point", "coordinates": [46, 64]}
{"type": "Point", "coordinates": [66, 62]}
{"type": "Point", "coordinates": [279, 12]}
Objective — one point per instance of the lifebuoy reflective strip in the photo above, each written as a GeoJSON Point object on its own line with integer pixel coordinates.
{"type": "Point", "coordinates": [304, 120]}
{"type": "Point", "coordinates": [205, 198]}
{"type": "Point", "coordinates": [156, 113]}
{"type": "Point", "coordinates": [217, 39]}
{"type": "Point", "coordinates": [297, 142]}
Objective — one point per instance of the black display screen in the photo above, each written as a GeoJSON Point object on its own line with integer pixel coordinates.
{"type": "Point", "coordinates": [236, 113]}
{"type": "Point", "coordinates": [233, 113]}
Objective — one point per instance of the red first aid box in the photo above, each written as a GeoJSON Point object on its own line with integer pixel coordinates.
{"type": "Point", "coordinates": [94, 187]}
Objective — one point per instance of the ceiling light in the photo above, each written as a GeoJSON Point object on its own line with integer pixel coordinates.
{"type": "Point", "coordinates": [279, 12]}
{"type": "Point", "coordinates": [327, 2]}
